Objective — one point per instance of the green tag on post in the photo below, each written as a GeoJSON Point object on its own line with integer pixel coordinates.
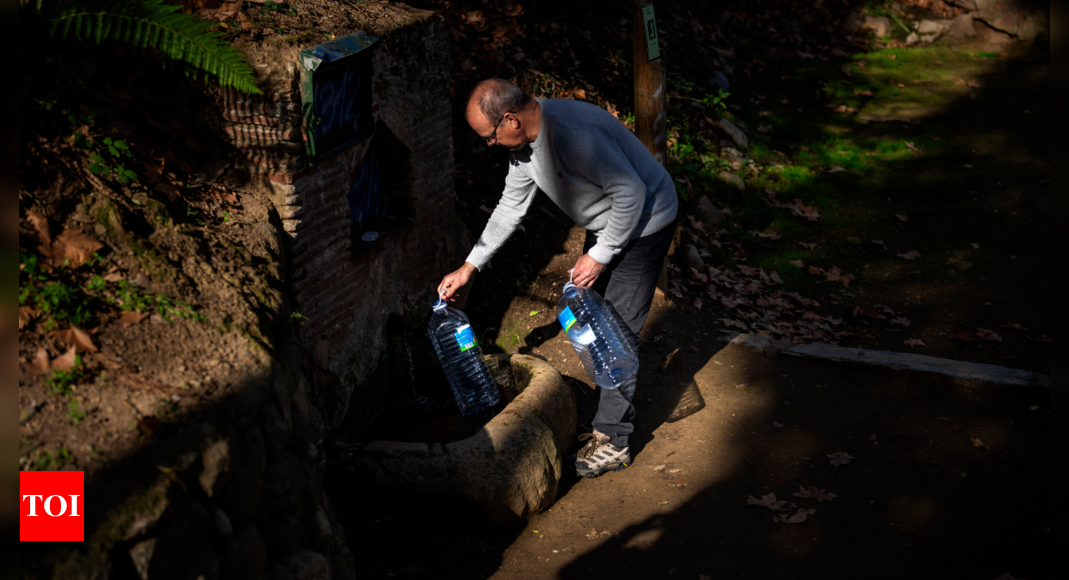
{"type": "Point", "coordinates": [653, 50]}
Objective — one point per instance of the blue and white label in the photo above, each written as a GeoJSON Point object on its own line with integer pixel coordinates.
{"type": "Point", "coordinates": [566, 318]}
{"type": "Point", "coordinates": [465, 338]}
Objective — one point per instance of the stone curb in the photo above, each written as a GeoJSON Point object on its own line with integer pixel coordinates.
{"type": "Point", "coordinates": [896, 360]}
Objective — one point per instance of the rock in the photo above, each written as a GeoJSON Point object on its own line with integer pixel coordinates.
{"type": "Point", "coordinates": [221, 527]}
{"type": "Point", "coordinates": [177, 547]}
{"type": "Point", "coordinates": [342, 566]}
{"type": "Point", "coordinates": [693, 260]}
{"type": "Point", "coordinates": [283, 536]}
{"type": "Point", "coordinates": [323, 528]}
{"type": "Point", "coordinates": [303, 565]}
{"type": "Point", "coordinates": [1014, 17]}
{"type": "Point", "coordinates": [215, 459]}
{"type": "Point", "coordinates": [244, 555]}
{"type": "Point", "coordinates": [511, 468]}
{"type": "Point", "coordinates": [732, 179]}
{"type": "Point", "coordinates": [285, 487]}
{"type": "Point", "coordinates": [709, 212]}
{"type": "Point", "coordinates": [961, 28]}
{"type": "Point", "coordinates": [720, 80]}
{"type": "Point", "coordinates": [879, 25]}
{"type": "Point", "coordinates": [913, 38]}
{"type": "Point", "coordinates": [241, 495]}
{"type": "Point", "coordinates": [735, 133]}
{"type": "Point", "coordinates": [733, 156]}
{"type": "Point", "coordinates": [933, 27]}
{"type": "Point", "coordinates": [968, 5]}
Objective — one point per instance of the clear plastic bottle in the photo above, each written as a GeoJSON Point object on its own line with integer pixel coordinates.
{"type": "Point", "coordinates": [596, 337]}
{"type": "Point", "coordinates": [462, 359]}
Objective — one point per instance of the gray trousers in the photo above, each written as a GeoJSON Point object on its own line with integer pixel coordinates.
{"type": "Point", "coordinates": [628, 284]}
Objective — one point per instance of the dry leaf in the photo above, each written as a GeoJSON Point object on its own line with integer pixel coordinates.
{"type": "Point", "coordinates": [796, 518]}
{"type": "Point", "coordinates": [39, 365]}
{"type": "Point", "coordinates": [775, 277]}
{"type": "Point", "coordinates": [841, 458]}
{"type": "Point", "coordinates": [813, 270]}
{"type": "Point", "coordinates": [868, 312]}
{"type": "Point", "coordinates": [1013, 325]}
{"type": "Point", "coordinates": [910, 255]}
{"type": "Point", "coordinates": [835, 169]}
{"type": "Point", "coordinates": [988, 335]}
{"type": "Point", "coordinates": [698, 303]}
{"type": "Point", "coordinates": [767, 500]}
{"type": "Point", "coordinates": [40, 226]}
{"type": "Point", "coordinates": [74, 337]}
{"type": "Point", "coordinates": [130, 318]}
{"type": "Point", "coordinates": [486, 209]}
{"type": "Point", "coordinates": [912, 342]}
{"type": "Point", "coordinates": [814, 493]}
{"type": "Point", "coordinates": [113, 277]}
{"type": "Point", "coordinates": [977, 443]}
{"type": "Point", "coordinates": [911, 147]}
{"type": "Point", "coordinates": [902, 217]}
{"type": "Point", "coordinates": [975, 246]}
{"type": "Point", "coordinates": [64, 361]}
{"type": "Point", "coordinates": [899, 320]}
{"type": "Point", "coordinates": [962, 334]}
{"type": "Point", "coordinates": [26, 314]}
{"type": "Point", "coordinates": [797, 264]}
{"type": "Point", "coordinates": [809, 247]}
{"type": "Point", "coordinates": [810, 315]}
{"type": "Point", "coordinates": [73, 245]}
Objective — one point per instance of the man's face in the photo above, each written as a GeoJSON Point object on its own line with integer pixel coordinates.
{"type": "Point", "coordinates": [506, 131]}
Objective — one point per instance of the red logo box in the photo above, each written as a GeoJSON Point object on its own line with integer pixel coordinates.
{"type": "Point", "coordinates": [53, 506]}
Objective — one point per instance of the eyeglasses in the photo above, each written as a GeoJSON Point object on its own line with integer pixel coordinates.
{"type": "Point", "coordinates": [493, 136]}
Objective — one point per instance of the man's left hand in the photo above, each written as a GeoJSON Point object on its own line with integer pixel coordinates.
{"type": "Point", "coordinates": [586, 271]}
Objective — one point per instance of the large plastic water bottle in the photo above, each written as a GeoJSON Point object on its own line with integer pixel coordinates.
{"type": "Point", "coordinates": [596, 337]}
{"type": "Point", "coordinates": [462, 359]}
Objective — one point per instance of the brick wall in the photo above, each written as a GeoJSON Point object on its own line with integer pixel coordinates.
{"type": "Point", "coordinates": [347, 292]}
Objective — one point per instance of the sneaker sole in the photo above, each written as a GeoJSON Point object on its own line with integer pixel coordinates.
{"type": "Point", "coordinates": [591, 473]}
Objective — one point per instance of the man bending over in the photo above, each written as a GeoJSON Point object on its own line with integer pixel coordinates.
{"type": "Point", "coordinates": [606, 180]}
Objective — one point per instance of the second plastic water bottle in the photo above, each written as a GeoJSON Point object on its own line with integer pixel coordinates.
{"type": "Point", "coordinates": [462, 360]}
{"type": "Point", "coordinates": [596, 337]}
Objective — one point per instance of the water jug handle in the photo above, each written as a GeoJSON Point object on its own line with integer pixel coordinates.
{"type": "Point", "coordinates": [441, 300]}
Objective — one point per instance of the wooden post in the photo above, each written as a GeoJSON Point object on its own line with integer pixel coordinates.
{"type": "Point", "coordinates": [651, 106]}
{"type": "Point", "coordinates": [651, 102]}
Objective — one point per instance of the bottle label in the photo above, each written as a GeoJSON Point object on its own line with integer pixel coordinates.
{"type": "Point", "coordinates": [465, 338]}
{"type": "Point", "coordinates": [585, 336]}
{"type": "Point", "coordinates": [566, 318]}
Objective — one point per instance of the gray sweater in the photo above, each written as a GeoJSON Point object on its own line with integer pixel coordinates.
{"type": "Point", "coordinates": [595, 170]}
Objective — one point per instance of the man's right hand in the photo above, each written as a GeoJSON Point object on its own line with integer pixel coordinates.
{"type": "Point", "coordinates": [453, 282]}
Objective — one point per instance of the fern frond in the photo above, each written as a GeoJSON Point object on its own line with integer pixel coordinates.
{"type": "Point", "coordinates": [153, 24]}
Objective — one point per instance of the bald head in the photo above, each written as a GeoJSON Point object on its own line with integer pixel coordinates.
{"type": "Point", "coordinates": [495, 97]}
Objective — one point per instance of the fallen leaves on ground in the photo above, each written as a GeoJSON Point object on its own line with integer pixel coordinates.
{"type": "Point", "coordinates": [840, 458]}
{"type": "Point", "coordinates": [73, 247]}
{"type": "Point", "coordinates": [962, 334]}
{"type": "Point", "coordinates": [977, 443]}
{"type": "Point", "coordinates": [797, 208]}
{"type": "Point", "coordinates": [130, 318]}
{"type": "Point", "coordinates": [988, 335]}
{"type": "Point", "coordinates": [902, 217]}
{"type": "Point", "coordinates": [910, 255]}
{"type": "Point", "coordinates": [872, 312]}
{"type": "Point", "coordinates": [901, 321]}
{"type": "Point", "coordinates": [814, 493]}
{"type": "Point", "coordinates": [912, 342]}
{"type": "Point", "coordinates": [795, 518]}
{"type": "Point", "coordinates": [797, 264]}
{"type": "Point", "coordinates": [835, 169]}
{"type": "Point", "coordinates": [64, 361]}
{"type": "Point", "coordinates": [1013, 325]}
{"type": "Point", "coordinates": [74, 337]}
{"type": "Point", "coordinates": [40, 364]}
{"type": "Point", "coordinates": [26, 314]}
{"type": "Point", "coordinates": [768, 500]}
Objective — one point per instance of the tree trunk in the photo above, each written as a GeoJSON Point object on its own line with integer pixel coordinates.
{"type": "Point", "coordinates": [651, 102]}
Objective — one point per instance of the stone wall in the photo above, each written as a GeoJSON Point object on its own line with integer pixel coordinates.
{"type": "Point", "coordinates": [347, 291]}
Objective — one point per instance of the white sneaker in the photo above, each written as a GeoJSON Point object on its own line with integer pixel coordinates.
{"type": "Point", "coordinates": [599, 456]}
